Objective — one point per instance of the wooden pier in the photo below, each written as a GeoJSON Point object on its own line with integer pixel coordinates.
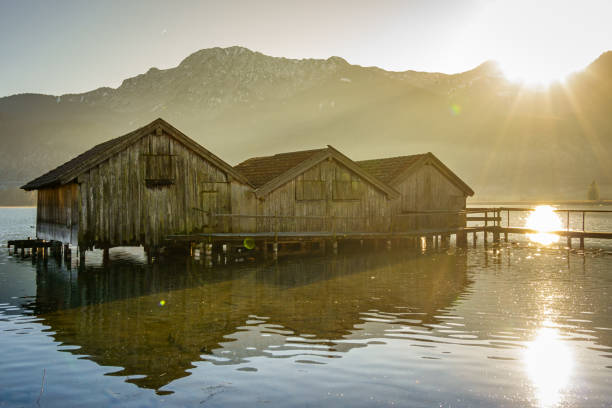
{"type": "Point", "coordinates": [489, 219]}
{"type": "Point", "coordinates": [402, 231]}
{"type": "Point", "coordinates": [39, 248]}
{"type": "Point", "coordinates": [492, 218]}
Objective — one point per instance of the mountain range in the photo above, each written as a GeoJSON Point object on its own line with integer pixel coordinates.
{"type": "Point", "coordinates": [506, 140]}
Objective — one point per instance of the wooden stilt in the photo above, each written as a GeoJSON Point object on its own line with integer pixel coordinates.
{"type": "Point", "coordinates": [81, 251]}
{"type": "Point", "coordinates": [581, 242]}
{"type": "Point", "coordinates": [461, 239]}
{"type": "Point", "coordinates": [429, 242]}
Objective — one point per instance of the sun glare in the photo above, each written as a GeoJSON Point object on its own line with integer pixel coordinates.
{"type": "Point", "coordinates": [532, 75]}
{"type": "Point", "coordinates": [549, 365]}
{"type": "Point", "coordinates": [545, 220]}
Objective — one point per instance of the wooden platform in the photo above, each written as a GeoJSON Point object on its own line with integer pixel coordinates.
{"type": "Point", "coordinates": [38, 247]}
{"type": "Point", "coordinates": [281, 236]}
{"type": "Point", "coordinates": [561, 233]}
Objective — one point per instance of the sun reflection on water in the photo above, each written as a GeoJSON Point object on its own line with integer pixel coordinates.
{"type": "Point", "coordinates": [549, 365]}
{"type": "Point", "coordinates": [543, 219]}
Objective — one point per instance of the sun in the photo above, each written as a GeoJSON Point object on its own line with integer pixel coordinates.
{"type": "Point", "coordinates": [544, 220]}
{"type": "Point", "coordinates": [532, 74]}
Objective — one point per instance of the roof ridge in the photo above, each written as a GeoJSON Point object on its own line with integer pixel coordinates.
{"type": "Point", "coordinates": [280, 154]}
{"type": "Point", "coordinates": [393, 157]}
{"type": "Point", "coordinates": [261, 169]}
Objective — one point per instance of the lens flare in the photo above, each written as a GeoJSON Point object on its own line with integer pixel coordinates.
{"type": "Point", "coordinates": [455, 109]}
{"type": "Point", "coordinates": [544, 220]}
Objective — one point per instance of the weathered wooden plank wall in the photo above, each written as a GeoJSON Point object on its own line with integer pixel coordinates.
{"type": "Point", "coordinates": [57, 213]}
{"type": "Point", "coordinates": [327, 189]}
{"type": "Point", "coordinates": [153, 188]}
{"type": "Point", "coordinates": [428, 189]}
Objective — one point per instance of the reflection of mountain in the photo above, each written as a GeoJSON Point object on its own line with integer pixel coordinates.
{"type": "Point", "coordinates": [225, 315]}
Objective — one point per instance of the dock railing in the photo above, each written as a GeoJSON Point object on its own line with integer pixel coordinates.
{"type": "Point", "coordinates": [398, 223]}
{"type": "Point", "coordinates": [496, 223]}
{"type": "Point", "coordinates": [493, 216]}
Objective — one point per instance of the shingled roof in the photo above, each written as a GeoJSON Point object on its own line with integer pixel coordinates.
{"type": "Point", "coordinates": [389, 168]}
{"type": "Point", "coordinates": [260, 170]}
{"type": "Point", "coordinates": [69, 170]}
{"type": "Point", "coordinates": [52, 178]}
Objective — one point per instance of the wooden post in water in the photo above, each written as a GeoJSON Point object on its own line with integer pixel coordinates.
{"type": "Point", "coordinates": [81, 252]}
{"type": "Point", "coordinates": [429, 242]}
{"type": "Point", "coordinates": [581, 242]}
{"type": "Point", "coordinates": [497, 224]}
{"type": "Point", "coordinates": [105, 255]}
{"type": "Point", "coordinates": [461, 239]}
{"type": "Point", "coordinates": [486, 222]}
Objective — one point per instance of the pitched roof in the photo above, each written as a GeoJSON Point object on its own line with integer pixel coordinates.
{"type": "Point", "coordinates": [389, 168]}
{"type": "Point", "coordinates": [260, 170]}
{"type": "Point", "coordinates": [394, 169]}
{"type": "Point", "coordinates": [83, 162]}
{"type": "Point", "coordinates": [52, 178]}
{"type": "Point", "coordinates": [269, 173]}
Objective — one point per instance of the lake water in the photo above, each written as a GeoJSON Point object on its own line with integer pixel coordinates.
{"type": "Point", "coordinates": [510, 326]}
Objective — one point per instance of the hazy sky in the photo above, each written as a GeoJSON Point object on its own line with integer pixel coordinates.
{"type": "Point", "coordinates": [58, 47]}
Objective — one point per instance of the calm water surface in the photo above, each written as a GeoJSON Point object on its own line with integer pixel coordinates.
{"type": "Point", "coordinates": [515, 326]}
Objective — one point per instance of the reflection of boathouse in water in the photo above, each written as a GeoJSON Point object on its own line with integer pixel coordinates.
{"type": "Point", "coordinates": [231, 314]}
{"type": "Point", "coordinates": [156, 182]}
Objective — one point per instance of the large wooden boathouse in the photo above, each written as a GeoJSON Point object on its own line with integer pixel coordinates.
{"type": "Point", "coordinates": [155, 185]}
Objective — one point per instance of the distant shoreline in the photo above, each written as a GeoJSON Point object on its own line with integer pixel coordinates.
{"type": "Point", "coordinates": [539, 202]}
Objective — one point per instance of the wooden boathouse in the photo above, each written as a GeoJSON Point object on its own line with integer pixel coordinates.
{"type": "Point", "coordinates": [156, 187]}
{"type": "Point", "coordinates": [135, 190]}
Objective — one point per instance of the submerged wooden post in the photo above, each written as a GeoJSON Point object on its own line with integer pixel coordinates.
{"type": "Point", "coordinates": [445, 239]}
{"type": "Point", "coordinates": [81, 251]}
{"type": "Point", "coordinates": [581, 242]}
{"type": "Point", "coordinates": [429, 242]}
{"type": "Point", "coordinates": [461, 239]}
{"type": "Point", "coordinates": [569, 241]}
{"type": "Point", "coordinates": [486, 225]}
{"type": "Point", "coordinates": [105, 255]}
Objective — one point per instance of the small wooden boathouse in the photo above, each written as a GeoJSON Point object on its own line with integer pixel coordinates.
{"type": "Point", "coordinates": [135, 190]}
{"type": "Point", "coordinates": [156, 187]}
